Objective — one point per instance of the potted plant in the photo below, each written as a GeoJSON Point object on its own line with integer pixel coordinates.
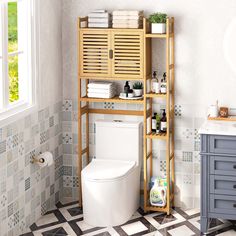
{"type": "Point", "coordinates": [158, 21]}
{"type": "Point", "coordinates": [138, 89]}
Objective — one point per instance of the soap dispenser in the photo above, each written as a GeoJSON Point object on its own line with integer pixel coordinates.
{"type": "Point", "coordinates": [163, 84]}
{"type": "Point", "coordinates": [163, 125]}
{"type": "Point", "coordinates": [154, 82]}
{"type": "Point", "coordinates": [126, 88]}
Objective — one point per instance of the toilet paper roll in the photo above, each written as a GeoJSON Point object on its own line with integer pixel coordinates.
{"type": "Point", "coordinates": [44, 159]}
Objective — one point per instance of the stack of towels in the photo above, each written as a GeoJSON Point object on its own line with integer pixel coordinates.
{"type": "Point", "coordinates": [101, 90]}
{"type": "Point", "coordinates": [127, 19]}
{"type": "Point", "coordinates": [99, 19]}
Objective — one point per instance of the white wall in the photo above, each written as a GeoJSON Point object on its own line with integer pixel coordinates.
{"type": "Point", "coordinates": [50, 80]}
{"type": "Point", "coordinates": [202, 72]}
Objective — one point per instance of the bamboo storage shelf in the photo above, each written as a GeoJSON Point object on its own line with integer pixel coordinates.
{"type": "Point", "coordinates": [230, 118]}
{"type": "Point", "coordinates": [114, 100]}
{"type": "Point", "coordinates": [126, 54]}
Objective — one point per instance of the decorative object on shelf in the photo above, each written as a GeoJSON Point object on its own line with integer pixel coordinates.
{"type": "Point", "coordinates": [101, 90]}
{"type": "Point", "coordinates": [224, 112]}
{"type": "Point", "coordinates": [213, 110]}
{"type": "Point", "coordinates": [163, 84]}
{"type": "Point", "coordinates": [158, 123]}
{"type": "Point", "coordinates": [127, 19]}
{"type": "Point", "coordinates": [138, 89]}
{"type": "Point", "coordinates": [127, 88]}
{"type": "Point", "coordinates": [99, 19]}
{"type": "Point", "coordinates": [158, 21]}
{"type": "Point", "coordinates": [130, 97]}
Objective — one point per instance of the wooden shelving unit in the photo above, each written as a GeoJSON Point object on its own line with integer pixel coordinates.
{"type": "Point", "coordinates": [230, 118]}
{"type": "Point", "coordinates": [123, 54]}
{"type": "Point", "coordinates": [149, 136]}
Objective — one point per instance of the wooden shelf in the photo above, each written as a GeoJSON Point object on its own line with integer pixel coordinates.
{"type": "Point", "coordinates": [115, 100]}
{"type": "Point", "coordinates": [110, 79]}
{"type": "Point", "coordinates": [230, 118]}
{"type": "Point", "coordinates": [160, 36]}
{"type": "Point", "coordinates": [155, 95]}
{"type": "Point", "coordinates": [156, 136]}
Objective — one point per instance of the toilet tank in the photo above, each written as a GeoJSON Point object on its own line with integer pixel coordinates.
{"type": "Point", "coordinates": [119, 140]}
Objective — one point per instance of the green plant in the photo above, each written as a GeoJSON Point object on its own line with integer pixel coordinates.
{"type": "Point", "coordinates": [158, 17]}
{"type": "Point", "coordinates": [138, 85]}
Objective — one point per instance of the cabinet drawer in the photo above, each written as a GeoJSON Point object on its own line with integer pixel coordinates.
{"type": "Point", "coordinates": [223, 204]}
{"type": "Point", "coordinates": [223, 185]}
{"type": "Point", "coordinates": [221, 165]}
{"type": "Point", "coordinates": [223, 144]}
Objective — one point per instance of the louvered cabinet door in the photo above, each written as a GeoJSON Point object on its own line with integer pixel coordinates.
{"type": "Point", "coordinates": [94, 53]}
{"type": "Point", "coordinates": [127, 54]}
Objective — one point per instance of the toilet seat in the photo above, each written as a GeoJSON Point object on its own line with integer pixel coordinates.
{"type": "Point", "coordinates": [107, 170]}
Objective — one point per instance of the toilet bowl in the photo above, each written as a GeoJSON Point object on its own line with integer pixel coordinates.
{"type": "Point", "coordinates": [111, 182]}
{"type": "Point", "coordinates": [110, 192]}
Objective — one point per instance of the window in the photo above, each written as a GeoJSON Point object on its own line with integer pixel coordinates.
{"type": "Point", "coordinates": [17, 56]}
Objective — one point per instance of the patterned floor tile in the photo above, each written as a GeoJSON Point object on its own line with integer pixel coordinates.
{"type": "Point", "coordinates": [67, 219]}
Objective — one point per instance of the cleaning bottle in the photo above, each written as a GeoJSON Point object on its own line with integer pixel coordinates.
{"type": "Point", "coordinates": [163, 125]}
{"type": "Point", "coordinates": [158, 194]}
{"type": "Point", "coordinates": [158, 123]}
{"type": "Point", "coordinates": [163, 84]}
{"type": "Point", "coordinates": [154, 123]}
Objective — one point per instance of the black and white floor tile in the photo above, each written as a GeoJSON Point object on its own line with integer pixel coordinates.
{"type": "Point", "coordinates": [67, 219]}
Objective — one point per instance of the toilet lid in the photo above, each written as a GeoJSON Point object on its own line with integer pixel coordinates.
{"type": "Point", "coordinates": [107, 169]}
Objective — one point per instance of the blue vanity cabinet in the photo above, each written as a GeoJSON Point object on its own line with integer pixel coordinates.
{"type": "Point", "coordinates": [218, 178]}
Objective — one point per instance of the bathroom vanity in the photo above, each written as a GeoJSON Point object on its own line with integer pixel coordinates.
{"type": "Point", "coordinates": [218, 171]}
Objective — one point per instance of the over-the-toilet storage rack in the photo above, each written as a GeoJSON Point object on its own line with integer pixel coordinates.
{"type": "Point", "coordinates": [126, 54]}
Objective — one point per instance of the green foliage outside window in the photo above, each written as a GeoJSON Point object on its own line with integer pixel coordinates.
{"type": "Point", "coordinates": [12, 47]}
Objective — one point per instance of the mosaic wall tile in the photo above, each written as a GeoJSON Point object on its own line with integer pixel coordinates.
{"type": "Point", "coordinates": [25, 187]}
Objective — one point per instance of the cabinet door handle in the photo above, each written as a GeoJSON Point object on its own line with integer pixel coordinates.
{"type": "Point", "coordinates": [235, 186]}
{"type": "Point", "coordinates": [111, 57]}
{"type": "Point", "coordinates": [234, 205]}
{"type": "Point", "coordinates": [234, 166]}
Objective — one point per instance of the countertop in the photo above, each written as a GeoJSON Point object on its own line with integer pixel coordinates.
{"type": "Point", "coordinates": [218, 128]}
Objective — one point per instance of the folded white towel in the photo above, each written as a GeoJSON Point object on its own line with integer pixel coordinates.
{"type": "Point", "coordinates": [98, 20]}
{"type": "Point", "coordinates": [99, 25]}
{"type": "Point", "coordinates": [127, 13]}
{"type": "Point", "coordinates": [102, 85]}
{"type": "Point", "coordinates": [98, 90]}
{"type": "Point", "coordinates": [126, 21]}
{"type": "Point", "coordinates": [97, 95]}
{"type": "Point", "coordinates": [99, 15]}
{"type": "Point", "coordinates": [127, 17]}
{"type": "Point", "coordinates": [129, 26]}
{"type": "Point", "coordinates": [99, 11]}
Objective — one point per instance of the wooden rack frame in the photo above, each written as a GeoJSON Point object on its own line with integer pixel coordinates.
{"type": "Point", "coordinates": [144, 74]}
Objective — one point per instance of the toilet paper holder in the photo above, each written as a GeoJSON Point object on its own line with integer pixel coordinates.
{"type": "Point", "coordinates": [35, 160]}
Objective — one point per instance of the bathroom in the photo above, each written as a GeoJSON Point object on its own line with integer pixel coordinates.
{"type": "Point", "coordinates": [44, 200]}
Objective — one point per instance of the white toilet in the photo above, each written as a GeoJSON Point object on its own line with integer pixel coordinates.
{"type": "Point", "coordinates": [111, 182]}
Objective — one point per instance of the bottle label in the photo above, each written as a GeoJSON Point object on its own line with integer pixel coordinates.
{"type": "Point", "coordinates": [154, 124]}
{"type": "Point", "coordinates": [163, 126]}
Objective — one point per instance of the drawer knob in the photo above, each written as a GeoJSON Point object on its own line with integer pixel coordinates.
{"type": "Point", "coordinates": [234, 166]}
{"type": "Point", "coordinates": [235, 186]}
{"type": "Point", "coordinates": [234, 205]}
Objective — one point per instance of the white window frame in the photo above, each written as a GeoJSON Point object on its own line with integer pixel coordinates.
{"type": "Point", "coordinates": [9, 112]}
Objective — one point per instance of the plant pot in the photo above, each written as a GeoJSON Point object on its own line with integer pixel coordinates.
{"type": "Point", "coordinates": [138, 92]}
{"type": "Point", "coordinates": [158, 28]}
